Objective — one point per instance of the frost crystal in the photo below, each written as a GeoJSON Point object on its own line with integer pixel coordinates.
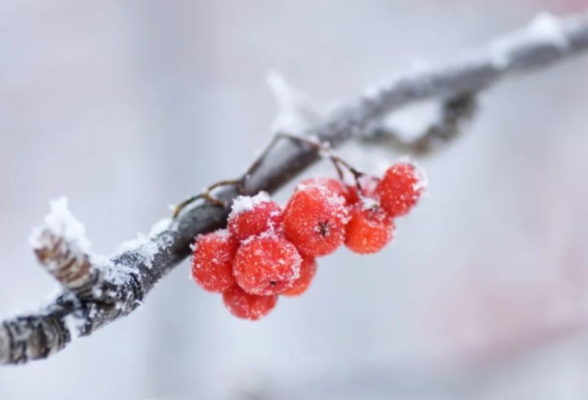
{"type": "Point", "coordinates": [118, 275]}
{"type": "Point", "coordinates": [74, 325]}
{"type": "Point", "coordinates": [145, 246]}
{"type": "Point", "coordinates": [63, 224]}
{"type": "Point", "coordinates": [422, 179]}
{"type": "Point", "coordinates": [248, 203]}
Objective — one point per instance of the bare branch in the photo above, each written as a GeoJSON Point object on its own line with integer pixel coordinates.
{"type": "Point", "coordinates": [455, 113]}
{"type": "Point", "coordinates": [98, 291]}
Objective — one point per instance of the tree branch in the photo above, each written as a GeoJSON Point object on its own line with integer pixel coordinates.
{"type": "Point", "coordinates": [99, 290]}
{"type": "Point", "coordinates": [455, 113]}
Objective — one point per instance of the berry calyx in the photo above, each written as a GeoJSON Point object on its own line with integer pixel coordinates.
{"type": "Point", "coordinates": [334, 185]}
{"type": "Point", "coordinates": [251, 216]}
{"type": "Point", "coordinates": [314, 221]}
{"type": "Point", "coordinates": [300, 285]}
{"type": "Point", "coordinates": [400, 189]}
{"type": "Point", "coordinates": [212, 261]}
{"type": "Point", "coordinates": [248, 306]}
{"type": "Point", "coordinates": [369, 229]}
{"type": "Point", "coordinates": [266, 265]}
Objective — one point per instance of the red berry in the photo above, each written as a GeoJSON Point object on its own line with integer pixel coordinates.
{"type": "Point", "coordinates": [307, 271]}
{"type": "Point", "coordinates": [368, 230]}
{"type": "Point", "coordinates": [212, 264]}
{"type": "Point", "coordinates": [266, 265]}
{"type": "Point", "coordinates": [400, 189]}
{"type": "Point", "coordinates": [314, 221]}
{"type": "Point", "coordinates": [252, 216]}
{"type": "Point", "coordinates": [368, 184]}
{"type": "Point", "coordinates": [248, 306]}
{"type": "Point", "coordinates": [332, 184]}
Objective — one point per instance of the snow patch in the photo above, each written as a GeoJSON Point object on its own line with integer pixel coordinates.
{"type": "Point", "coordinates": [248, 203]}
{"type": "Point", "coordinates": [63, 224]}
{"type": "Point", "coordinates": [160, 226]}
{"type": "Point", "coordinates": [74, 324]}
{"type": "Point", "coordinates": [223, 233]}
{"type": "Point", "coordinates": [543, 29]}
{"type": "Point", "coordinates": [146, 246]}
{"type": "Point", "coordinates": [143, 246]}
{"type": "Point", "coordinates": [546, 27]}
{"type": "Point", "coordinates": [117, 275]}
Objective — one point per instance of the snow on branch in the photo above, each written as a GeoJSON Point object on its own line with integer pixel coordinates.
{"type": "Point", "coordinates": [455, 113]}
{"type": "Point", "coordinates": [62, 248]}
{"type": "Point", "coordinates": [99, 290]}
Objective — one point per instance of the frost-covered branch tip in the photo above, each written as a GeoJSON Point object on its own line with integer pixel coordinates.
{"type": "Point", "coordinates": [542, 42]}
{"type": "Point", "coordinates": [96, 289]}
{"type": "Point", "coordinates": [62, 248]}
{"type": "Point", "coordinates": [100, 290]}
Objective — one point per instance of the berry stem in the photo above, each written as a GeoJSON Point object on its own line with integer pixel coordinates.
{"type": "Point", "coordinates": [207, 195]}
{"type": "Point", "coordinates": [336, 160]}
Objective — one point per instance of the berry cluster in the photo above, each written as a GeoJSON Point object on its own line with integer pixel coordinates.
{"type": "Point", "coordinates": [268, 251]}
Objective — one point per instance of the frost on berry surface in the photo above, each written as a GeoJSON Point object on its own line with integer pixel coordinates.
{"type": "Point", "coordinates": [248, 203]}
{"type": "Point", "coordinates": [251, 216]}
{"type": "Point", "coordinates": [266, 265]}
{"type": "Point", "coordinates": [314, 220]}
{"type": "Point", "coordinates": [212, 262]}
{"type": "Point", "coordinates": [300, 285]}
{"type": "Point", "coordinates": [248, 306]}
{"type": "Point", "coordinates": [400, 188]}
{"type": "Point", "coordinates": [422, 184]}
{"type": "Point", "coordinates": [369, 230]}
{"type": "Point", "coordinates": [334, 185]}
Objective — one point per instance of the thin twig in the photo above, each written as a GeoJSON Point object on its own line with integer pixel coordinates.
{"type": "Point", "coordinates": [456, 113]}
{"type": "Point", "coordinates": [122, 281]}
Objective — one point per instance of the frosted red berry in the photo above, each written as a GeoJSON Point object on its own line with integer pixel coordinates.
{"type": "Point", "coordinates": [314, 221]}
{"type": "Point", "coordinates": [266, 265]}
{"type": "Point", "coordinates": [369, 229]}
{"type": "Point", "coordinates": [400, 189]}
{"type": "Point", "coordinates": [252, 216]}
{"type": "Point", "coordinates": [212, 261]}
{"type": "Point", "coordinates": [334, 185]}
{"type": "Point", "coordinates": [248, 306]}
{"type": "Point", "coordinates": [300, 285]}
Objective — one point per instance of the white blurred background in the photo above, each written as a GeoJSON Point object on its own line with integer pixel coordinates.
{"type": "Point", "coordinates": [127, 106]}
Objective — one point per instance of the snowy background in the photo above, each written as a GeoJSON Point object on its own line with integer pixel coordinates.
{"type": "Point", "coordinates": [127, 106]}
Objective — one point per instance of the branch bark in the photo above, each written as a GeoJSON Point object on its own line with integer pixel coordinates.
{"type": "Point", "coordinates": [100, 290]}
